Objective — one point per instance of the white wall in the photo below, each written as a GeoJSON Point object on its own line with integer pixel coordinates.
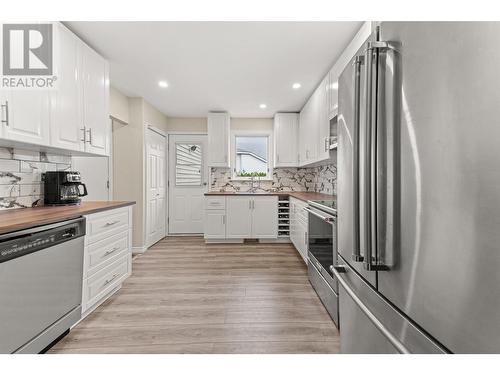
{"type": "Point", "coordinates": [153, 117]}
{"type": "Point", "coordinates": [129, 172]}
{"type": "Point", "coordinates": [118, 105]}
{"type": "Point", "coordinates": [257, 124]}
{"type": "Point", "coordinates": [187, 124]}
{"type": "Point", "coordinates": [199, 124]}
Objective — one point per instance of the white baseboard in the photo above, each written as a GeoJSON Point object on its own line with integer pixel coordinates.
{"type": "Point", "coordinates": [139, 249]}
{"type": "Point", "coordinates": [209, 241]}
{"type": "Point", "coordinates": [275, 240]}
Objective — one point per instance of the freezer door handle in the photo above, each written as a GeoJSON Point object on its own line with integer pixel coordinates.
{"type": "Point", "coordinates": [400, 347]}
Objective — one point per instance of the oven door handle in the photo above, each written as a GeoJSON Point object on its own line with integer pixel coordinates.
{"type": "Point", "coordinates": [328, 219]}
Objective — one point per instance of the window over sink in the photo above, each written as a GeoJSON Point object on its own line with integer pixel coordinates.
{"type": "Point", "coordinates": [251, 157]}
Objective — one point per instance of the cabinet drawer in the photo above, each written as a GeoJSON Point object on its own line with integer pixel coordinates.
{"type": "Point", "coordinates": [105, 224]}
{"type": "Point", "coordinates": [101, 253]}
{"type": "Point", "coordinates": [215, 203]}
{"type": "Point", "coordinates": [100, 284]}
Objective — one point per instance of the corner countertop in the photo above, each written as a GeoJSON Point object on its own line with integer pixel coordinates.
{"type": "Point", "coordinates": [23, 218]}
{"type": "Point", "coordinates": [302, 195]}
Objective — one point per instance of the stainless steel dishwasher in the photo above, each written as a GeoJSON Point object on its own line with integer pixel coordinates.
{"type": "Point", "coordinates": [40, 285]}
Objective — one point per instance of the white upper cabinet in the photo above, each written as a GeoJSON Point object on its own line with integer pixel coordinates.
{"type": "Point", "coordinates": [24, 113]}
{"type": "Point", "coordinates": [218, 139]}
{"type": "Point", "coordinates": [309, 129]}
{"type": "Point", "coordinates": [332, 93]}
{"type": "Point", "coordinates": [26, 116]}
{"type": "Point", "coordinates": [95, 103]}
{"type": "Point", "coordinates": [67, 101]}
{"type": "Point", "coordinates": [71, 116]}
{"type": "Point", "coordinates": [323, 121]}
{"type": "Point", "coordinates": [314, 122]}
{"type": "Point", "coordinates": [285, 135]}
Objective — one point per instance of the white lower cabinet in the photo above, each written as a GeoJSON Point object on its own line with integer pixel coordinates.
{"type": "Point", "coordinates": [241, 217]}
{"type": "Point", "coordinates": [299, 226]}
{"type": "Point", "coordinates": [215, 224]}
{"type": "Point", "coordinates": [265, 217]}
{"type": "Point", "coordinates": [107, 256]}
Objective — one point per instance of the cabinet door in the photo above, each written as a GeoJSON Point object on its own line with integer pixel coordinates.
{"type": "Point", "coordinates": [28, 116]}
{"type": "Point", "coordinates": [302, 136]}
{"type": "Point", "coordinates": [312, 133]}
{"type": "Point", "coordinates": [302, 239]}
{"type": "Point", "coordinates": [66, 102]}
{"type": "Point", "coordinates": [308, 131]}
{"type": "Point", "coordinates": [333, 93]}
{"type": "Point", "coordinates": [239, 217]}
{"type": "Point", "coordinates": [218, 139]}
{"type": "Point", "coordinates": [265, 217]}
{"type": "Point", "coordinates": [215, 224]}
{"type": "Point", "coordinates": [25, 114]}
{"type": "Point", "coordinates": [294, 235]}
{"type": "Point", "coordinates": [95, 101]}
{"type": "Point", "coordinates": [323, 122]}
{"type": "Point", "coordinates": [285, 139]}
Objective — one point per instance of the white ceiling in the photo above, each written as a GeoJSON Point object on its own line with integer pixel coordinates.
{"type": "Point", "coordinates": [232, 66]}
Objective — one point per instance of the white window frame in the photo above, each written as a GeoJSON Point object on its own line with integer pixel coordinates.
{"type": "Point", "coordinates": [270, 152]}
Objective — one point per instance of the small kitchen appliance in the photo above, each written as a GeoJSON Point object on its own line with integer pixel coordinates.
{"type": "Point", "coordinates": [63, 187]}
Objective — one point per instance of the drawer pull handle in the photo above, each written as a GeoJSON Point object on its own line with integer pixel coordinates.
{"type": "Point", "coordinates": [110, 223]}
{"type": "Point", "coordinates": [110, 251]}
{"type": "Point", "coordinates": [111, 279]}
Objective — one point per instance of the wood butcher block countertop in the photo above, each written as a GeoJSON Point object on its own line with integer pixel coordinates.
{"type": "Point", "coordinates": [23, 218]}
{"type": "Point", "coordinates": [302, 195]}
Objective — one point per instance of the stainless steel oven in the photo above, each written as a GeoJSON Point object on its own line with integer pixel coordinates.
{"type": "Point", "coordinates": [322, 251]}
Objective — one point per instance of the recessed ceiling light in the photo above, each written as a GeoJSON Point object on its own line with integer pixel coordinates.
{"type": "Point", "coordinates": [262, 106]}
{"type": "Point", "coordinates": [296, 85]}
{"type": "Point", "coordinates": [163, 84]}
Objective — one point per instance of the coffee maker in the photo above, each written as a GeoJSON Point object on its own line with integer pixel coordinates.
{"type": "Point", "coordinates": [63, 187]}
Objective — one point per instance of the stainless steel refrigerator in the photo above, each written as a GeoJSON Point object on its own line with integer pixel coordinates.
{"type": "Point", "coordinates": [419, 190]}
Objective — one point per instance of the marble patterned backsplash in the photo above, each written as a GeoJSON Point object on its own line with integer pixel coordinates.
{"type": "Point", "coordinates": [21, 183]}
{"type": "Point", "coordinates": [322, 179]}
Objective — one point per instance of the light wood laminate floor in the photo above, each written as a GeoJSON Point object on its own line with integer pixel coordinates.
{"type": "Point", "coordinates": [188, 297]}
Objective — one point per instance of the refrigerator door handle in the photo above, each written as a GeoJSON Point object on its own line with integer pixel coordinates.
{"type": "Point", "coordinates": [372, 261]}
{"type": "Point", "coordinates": [369, 176]}
{"type": "Point", "coordinates": [356, 252]}
{"type": "Point", "coordinates": [372, 59]}
{"type": "Point", "coordinates": [400, 347]}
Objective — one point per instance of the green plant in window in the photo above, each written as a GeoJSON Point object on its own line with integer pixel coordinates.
{"type": "Point", "coordinates": [251, 174]}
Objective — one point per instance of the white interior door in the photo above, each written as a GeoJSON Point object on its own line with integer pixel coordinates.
{"type": "Point", "coordinates": [155, 187]}
{"type": "Point", "coordinates": [187, 183]}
